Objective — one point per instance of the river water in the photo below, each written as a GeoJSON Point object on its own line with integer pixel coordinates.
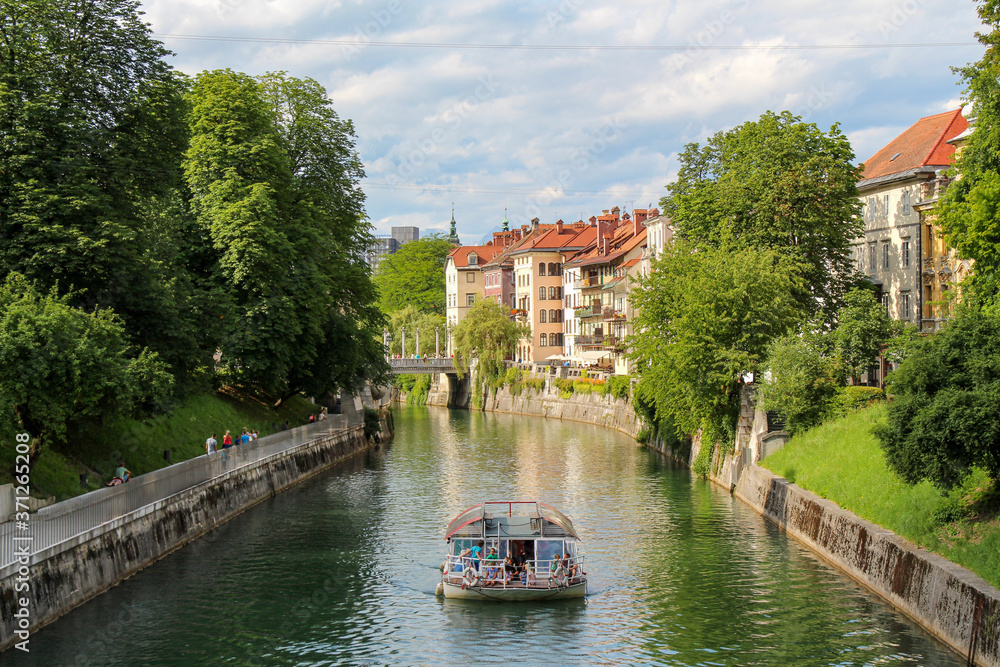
{"type": "Point", "coordinates": [342, 569]}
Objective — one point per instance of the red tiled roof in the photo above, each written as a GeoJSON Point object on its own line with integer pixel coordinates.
{"type": "Point", "coordinates": [460, 255]}
{"type": "Point", "coordinates": [924, 144]}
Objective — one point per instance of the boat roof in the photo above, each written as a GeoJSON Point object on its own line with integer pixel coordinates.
{"type": "Point", "coordinates": [512, 519]}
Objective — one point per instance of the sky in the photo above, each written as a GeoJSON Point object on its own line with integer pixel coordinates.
{"type": "Point", "coordinates": [561, 109]}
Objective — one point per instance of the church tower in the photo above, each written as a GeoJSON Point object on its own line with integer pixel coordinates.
{"type": "Point", "coordinates": [453, 236]}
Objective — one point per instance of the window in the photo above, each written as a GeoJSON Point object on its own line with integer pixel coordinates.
{"type": "Point", "coordinates": [541, 316]}
{"type": "Point", "coordinates": [885, 205]}
{"type": "Point", "coordinates": [553, 271]}
{"type": "Point", "coordinates": [513, 301]}
{"type": "Point", "coordinates": [907, 209]}
{"type": "Point", "coordinates": [871, 208]}
{"type": "Point", "coordinates": [860, 251]}
{"type": "Point", "coordinates": [554, 315]}
{"type": "Point", "coordinates": [543, 340]}
{"type": "Point", "coordinates": [473, 259]}
{"type": "Point", "coordinates": [906, 253]}
{"type": "Point", "coordinates": [541, 269]}
{"type": "Point", "coordinates": [904, 306]}
{"type": "Point", "coordinates": [541, 294]}
{"type": "Point", "coordinates": [871, 257]}
{"type": "Point", "coordinates": [559, 292]}
{"type": "Point", "coordinates": [552, 294]}
{"type": "Point", "coordinates": [885, 255]}
{"type": "Point", "coordinates": [470, 299]}
{"type": "Point", "coordinates": [470, 277]}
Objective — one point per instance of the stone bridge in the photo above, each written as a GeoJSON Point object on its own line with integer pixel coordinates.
{"type": "Point", "coordinates": [446, 387]}
{"type": "Point", "coordinates": [429, 365]}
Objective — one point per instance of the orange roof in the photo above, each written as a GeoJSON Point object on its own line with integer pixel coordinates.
{"type": "Point", "coordinates": [554, 241]}
{"type": "Point", "coordinates": [924, 144]}
{"type": "Point", "coordinates": [460, 255]}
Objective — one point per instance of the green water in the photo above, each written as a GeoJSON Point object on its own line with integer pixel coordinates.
{"type": "Point", "coordinates": [342, 568]}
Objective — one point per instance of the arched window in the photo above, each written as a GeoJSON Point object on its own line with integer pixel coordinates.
{"type": "Point", "coordinates": [541, 316]}
{"type": "Point", "coordinates": [552, 293]}
{"type": "Point", "coordinates": [541, 294]}
{"type": "Point", "coordinates": [553, 271]}
{"type": "Point", "coordinates": [541, 269]}
{"type": "Point", "coordinates": [552, 316]}
{"type": "Point", "coordinates": [559, 292]}
{"type": "Point", "coordinates": [543, 340]}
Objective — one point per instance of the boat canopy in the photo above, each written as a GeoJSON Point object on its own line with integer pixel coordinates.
{"type": "Point", "coordinates": [511, 519]}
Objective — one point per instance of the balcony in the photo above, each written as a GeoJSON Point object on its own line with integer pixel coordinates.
{"type": "Point", "coordinates": [597, 339]}
{"type": "Point", "coordinates": [587, 311]}
{"type": "Point", "coordinates": [612, 315]}
{"type": "Point", "coordinates": [591, 281]}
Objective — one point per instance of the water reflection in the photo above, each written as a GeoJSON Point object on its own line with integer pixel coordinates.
{"type": "Point", "coordinates": [342, 569]}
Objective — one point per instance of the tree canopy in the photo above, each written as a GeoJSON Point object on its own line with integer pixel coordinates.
{"type": "Point", "coordinates": [428, 324]}
{"type": "Point", "coordinates": [488, 334]}
{"type": "Point", "coordinates": [863, 328]}
{"type": "Point", "coordinates": [60, 366]}
{"type": "Point", "coordinates": [969, 213]}
{"type": "Point", "coordinates": [414, 275]}
{"type": "Point", "coordinates": [706, 318]}
{"type": "Point", "coordinates": [945, 415]}
{"type": "Point", "coordinates": [775, 183]}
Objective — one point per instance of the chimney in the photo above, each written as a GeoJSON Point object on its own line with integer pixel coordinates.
{"type": "Point", "coordinates": [601, 242]}
{"type": "Point", "coordinates": [593, 220]}
{"type": "Point", "coordinates": [637, 225]}
{"type": "Point", "coordinates": [640, 214]}
{"type": "Point", "coordinates": [559, 226]}
{"type": "Point", "coordinates": [606, 211]}
{"type": "Point", "coordinates": [534, 224]}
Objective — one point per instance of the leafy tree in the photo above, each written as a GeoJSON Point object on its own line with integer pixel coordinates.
{"type": "Point", "coordinates": [91, 135]}
{"type": "Point", "coordinates": [968, 214]}
{"type": "Point", "coordinates": [427, 323]}
{"type": "Point", "coordinates": [274, 191]}
{"type": "Point", "coordinates": [945, 415]}
{"type": "Point", "coordinates": [414, 275]}
{"type": "Point", "coordinates": [706, 318]}
{"type": "Point", "coordinates": [803, 377]}
{"type": "Point", "coordinates": [61, 366]}
{"type": "Point", "coordinates": [863, 328]}
{"type": "Point", "coordinates": [488, 334]}
{"type": "Point", "coordinates": [775, 183]}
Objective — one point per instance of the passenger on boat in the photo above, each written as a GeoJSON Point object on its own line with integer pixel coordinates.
{"type": "Point", "coordinates": [473, 556]}
{"type": "Point", "coordinates": [558, 572]}
{"type": "Point", "coordinates": [569, 566]}
{"type": "Point", "coordinates": [510, 569]}
{"type": "Point", "coordinates": [492, 568]}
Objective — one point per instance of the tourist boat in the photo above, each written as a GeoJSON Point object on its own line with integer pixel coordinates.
{"type": "Point", "coordinates": [540, 540]}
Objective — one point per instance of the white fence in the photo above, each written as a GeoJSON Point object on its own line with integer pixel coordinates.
{"type": "Point", "coordinates": [59, 525]}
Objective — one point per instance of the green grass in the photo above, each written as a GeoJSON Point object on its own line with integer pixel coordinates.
{"type": "Point", "coordinates": [96, 450]}
{"type": "Point", "coordinates": [840, 460]}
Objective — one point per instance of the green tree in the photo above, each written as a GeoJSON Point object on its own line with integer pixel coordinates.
{"type": "Point", "coordinates": [489, 335]}
{"type": "Point", "coordinates": [945, 415]}
{"type": "Point", "coordinates": [803, 377]}
{"type": "Point", "coordinates": [775, 183]}
{"type": "Point", "coordinates": [968, 214]}
{"type": "Point", "coordinates": [276, 192]}
{"type": "Point", "coordinates": [61, 366]}
{"type": "Point", "coordinates": [428, 324]}
{"type": "Point", "coordinates": [414, 275]}
{"type": "Point", "coordinates": [91, 136]}
{"type": "Point", "coordinates": [706, 318]}
{"type": "Point", "coordinates": [863, 328]}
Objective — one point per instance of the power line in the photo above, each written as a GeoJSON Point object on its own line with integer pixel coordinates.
{"type": "Point", "coordinates": [552, 192]}
{"type": "Point", "coordinates": [357, 43]}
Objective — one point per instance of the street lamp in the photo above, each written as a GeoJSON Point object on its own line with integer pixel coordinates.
{"type": "Point", "coordinates": [418, 342]}
{"type": "Point", "coordinates": [437, 341]}
{"type": "Point", "coordinates": [402, 342]}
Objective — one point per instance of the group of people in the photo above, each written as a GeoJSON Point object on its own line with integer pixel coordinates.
{"type": "Point", "coordinates": [488, 570]}
{"type": "Point", "coordinates": [211, 445]}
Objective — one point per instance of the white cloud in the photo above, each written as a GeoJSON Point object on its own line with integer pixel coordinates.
{"type": "Point", "coordinates": [424, 118]}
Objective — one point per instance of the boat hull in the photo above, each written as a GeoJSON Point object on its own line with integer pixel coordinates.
{"type": "Point", "coordinates": [454, 591]}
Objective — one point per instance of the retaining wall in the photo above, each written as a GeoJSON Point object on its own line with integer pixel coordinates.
{"type": "Point", "coordinates": [955, 605]}
{"type": "Point", "coordinates": [606, 411]}
{"type": "Point", "coordinates": [59, 581]}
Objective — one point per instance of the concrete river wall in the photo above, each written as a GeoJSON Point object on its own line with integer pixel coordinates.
{"type": "Point", "coordinates": [87, 544]}
{"type": "Point", "coordinates": [952, 603]}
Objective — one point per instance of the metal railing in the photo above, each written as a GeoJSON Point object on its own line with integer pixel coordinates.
{"type": "Point", "coordinates": [60, 526]}
{"type": "Point", "coordinates": [554, 573]}
{"type": "Point", "coordinates": [428, 364]}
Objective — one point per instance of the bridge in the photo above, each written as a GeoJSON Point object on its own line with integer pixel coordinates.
{"type": "Point", "coordinates": [429, 365]}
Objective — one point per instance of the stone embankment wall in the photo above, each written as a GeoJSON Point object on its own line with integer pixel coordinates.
{"type": "Point", "coordinates": [590, 408]}
{"type": "Point", "coordinates": [108, 554]}
{"type": "Point", "coordinates": [955, 605]}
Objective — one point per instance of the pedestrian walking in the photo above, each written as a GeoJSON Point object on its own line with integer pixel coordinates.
{"type": "Point", "coordinates": [227, 440]}
{"type": "Point", "coordinates": [211, 444]}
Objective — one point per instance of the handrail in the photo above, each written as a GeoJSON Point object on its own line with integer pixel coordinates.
{"type": "Point", "coordinates": [539, 573]}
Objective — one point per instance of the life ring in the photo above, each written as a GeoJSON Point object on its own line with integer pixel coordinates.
{"type": "Point", "coordinates": [470, 577]}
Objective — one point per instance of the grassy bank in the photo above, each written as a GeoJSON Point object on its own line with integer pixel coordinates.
{"type": "Point", "coordinates": [841, 461]}
{"type": "Point", "coordinates": [96, 450]}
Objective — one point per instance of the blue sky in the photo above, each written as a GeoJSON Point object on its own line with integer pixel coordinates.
{"type": "Point", "coordinates": [566, 132]}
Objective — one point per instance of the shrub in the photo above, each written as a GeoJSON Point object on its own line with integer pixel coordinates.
{"type": "Point", "coordinates": [618, 386]}
{"type": "Point", "coordinates": [802, 380]}
{"type": "Point", "coordinates": [538, 384]}
{"type": "Point", "coordinates": [943, 417]}
{"type": "Point", "coordinates": [565, 387]}
{"type": "Point", "coordinates": [373, 423]}
{"type": "Point", "coordinates": [642, 437]}
{"type": "Point", "coordinates": [420, 388]}
{"type": "Point", "coordinates": [582, 388]}
{"type": "Point", "coordinates": [852, 399]}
